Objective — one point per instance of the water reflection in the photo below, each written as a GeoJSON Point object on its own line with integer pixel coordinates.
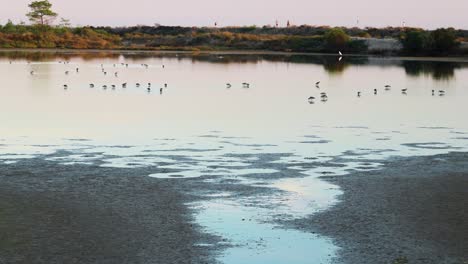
{"type": "Point", "coordinates": [436, 69]}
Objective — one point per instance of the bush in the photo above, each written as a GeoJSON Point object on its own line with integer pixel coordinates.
{"type": "Point", "coordinates": [444, 40]}
{"type": "Point", "coordinates": [415, 41]}
{"type": "Point", "coordinates": [336, 39]}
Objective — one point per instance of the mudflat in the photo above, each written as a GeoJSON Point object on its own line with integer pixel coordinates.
{"type": "Point", "coordinates": [53, 213]}
{"type": "Point", "coordinates": [412, 210]}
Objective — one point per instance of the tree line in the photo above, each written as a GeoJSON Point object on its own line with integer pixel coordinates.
{"type": "Point", "coordinates": [44, 33]}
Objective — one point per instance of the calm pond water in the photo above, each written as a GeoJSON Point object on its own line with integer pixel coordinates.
{"type": "Point", "coordinates": [268, 135]}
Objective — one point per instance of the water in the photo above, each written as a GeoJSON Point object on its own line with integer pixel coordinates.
{"type": "Point", "coordinates": [263, 147]}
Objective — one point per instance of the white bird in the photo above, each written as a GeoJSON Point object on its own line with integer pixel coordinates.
{"type": "Point", "coordinates": [341, 54]}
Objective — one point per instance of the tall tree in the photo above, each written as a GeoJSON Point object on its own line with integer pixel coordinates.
{"type": "Point", "coordinates": [41, 12]}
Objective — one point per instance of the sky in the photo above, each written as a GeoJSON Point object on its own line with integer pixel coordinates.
{"type": "Point", "coordinates": [379, 13]}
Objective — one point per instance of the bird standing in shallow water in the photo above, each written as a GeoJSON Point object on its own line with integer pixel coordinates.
{"type": "Point", "coordinates": [375, 91]}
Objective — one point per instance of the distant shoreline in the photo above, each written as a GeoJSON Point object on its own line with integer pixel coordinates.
{"type": "Point", "coordinates": [237, 52]}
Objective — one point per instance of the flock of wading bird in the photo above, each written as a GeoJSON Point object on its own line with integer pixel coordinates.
{"type": "Point", "coordinates": [124, 85]}
{"type": "Point", "coordinates": [115, 73]}
{"type": "Point", "coordinates": [324, 96]}
{"type": "Point", "coordinates": [311, 99]}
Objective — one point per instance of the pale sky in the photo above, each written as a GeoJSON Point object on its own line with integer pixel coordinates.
{"type": "Point", "coordinates": [417, 13]}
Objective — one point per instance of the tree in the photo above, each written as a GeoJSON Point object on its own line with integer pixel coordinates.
{"type": "Point", "coordinates": [41, 13]}
{"type": "Point", "coordinates": [415, 41]}
{"type": "Point", "coordinates": [65, 23]}
{"type": "Point", "coordinates": [444, 40]}
{"type": "Point", "coordinates": [336, 38]}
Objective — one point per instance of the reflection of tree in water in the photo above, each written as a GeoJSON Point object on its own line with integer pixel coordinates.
{"type": "Point", "coordinates": [437, 69]}
{"type": "Point", "coordinates": [330, 63]}
{"type": "Point", "coordinates": [335, 67]}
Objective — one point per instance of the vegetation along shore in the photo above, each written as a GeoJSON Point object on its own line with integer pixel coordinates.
{"type": "Point", "coordinates": [43, 33]}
